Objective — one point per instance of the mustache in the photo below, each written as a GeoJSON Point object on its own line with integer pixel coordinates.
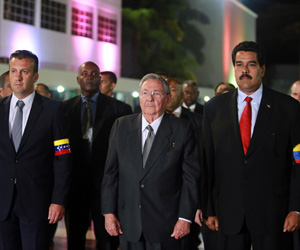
{"type": "Point", "coordinates": [90, 82]}
{"type": "Point", "coordinates": [245, 75]}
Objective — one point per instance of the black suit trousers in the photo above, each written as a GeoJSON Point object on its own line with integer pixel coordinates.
{"type": "Point", "coordinates": [17, 232]}
{"type": "Point", "coordinates": [79, 214]}
{"type": "Point", "coordinates": [171, 244]}
{"type": "Point", "coordinates": [268, 241]}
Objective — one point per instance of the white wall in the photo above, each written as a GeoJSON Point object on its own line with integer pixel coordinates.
{"type": "Point", "coordinates": [229, 22]}
{"type": "Point", "coordinates": [64, 51]}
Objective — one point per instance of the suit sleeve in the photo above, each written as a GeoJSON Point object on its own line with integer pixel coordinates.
{"type": "Point", "coordinates": [110, 182]}
{"type": "Point", "coordinates": [190, 175]}
{"type": "Point", "coordinates": [294, 204]}
{"type": "Point", "coordinates": [62, 162]}
{"type": "Point", "coordinates": [208, 166]}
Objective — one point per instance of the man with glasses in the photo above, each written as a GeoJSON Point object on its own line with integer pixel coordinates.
{"type": "Point", "coordinates": [149, 189]}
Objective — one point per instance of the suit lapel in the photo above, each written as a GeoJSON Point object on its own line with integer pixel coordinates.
{"type": "Point", "coordinates": [36, 108]}
{"type": "Point", "coordinates": [5, 121]}
{"type": "Point", "coordinates": [161, 141]}
{"type": "Point", "coordinates": [262, 120]}
{"type": "Point", "coordinates": [233, 117]}
{"type": "Point", "coordinates": [101, 112]}
{"type": "Point", "coordinates": [75, 117]}
{"type": "Point", "coordinates": [134, 142]}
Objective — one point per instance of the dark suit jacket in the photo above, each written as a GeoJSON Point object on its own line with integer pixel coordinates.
{"type": "Point", "coordinates": [199, 108]}
{"type": "Point", "coordinates": [87, 171]}
{"type": "Point", "coordinates": [150, 200]}
{"type": "Point", "coordinates": [263, 186]}
{"type": "Point", "coordinates": [194, 118]}
{"type": "Point", "coordinates": [41, 178]}
{"type": "Point", "coordinates": [126, 108]}
{"type": "Point", "coordinates": [196, 122]}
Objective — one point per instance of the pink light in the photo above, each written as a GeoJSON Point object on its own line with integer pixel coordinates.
{"type": "Point", "coordinates": [83, 48]}
{"type": "Point", "coordinates": [108, 55]}
{"type": "Point", "coordinates": [226, 41]}
{"type": "Point", "coordinates": [24, 38]}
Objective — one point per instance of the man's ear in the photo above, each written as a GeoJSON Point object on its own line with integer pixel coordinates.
{"type": "Point", "coordinates": [112, 85]}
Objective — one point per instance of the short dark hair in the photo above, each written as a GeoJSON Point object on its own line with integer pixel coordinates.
{"type": "Point", "coordinates": [21, 54]}
{"type": "Point", "coordinates": [111, 75]}
{"type": "Point", "coordinates": [46, 88]}
{"type": "Point", "coordinates": [250, 46]}
{"type": "Point", "coordinates": [2, 78]}
{"type": "Point", "coordinates": [229, 87]}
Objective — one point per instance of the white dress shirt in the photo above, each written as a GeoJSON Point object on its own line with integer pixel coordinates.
{"type": "Point", "coordinates": [256, 99]}
{"type": "Point", "coordinates": [154, 125]}
{"type": "Point", "coordinates": [191, 108]}
{"type": "Point", "coordinates": [26, 110]}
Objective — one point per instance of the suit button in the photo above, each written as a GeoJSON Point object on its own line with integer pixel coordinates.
{"type": "Point", "coordinates": [142, 186]}
{"type": "Point", "coordinates": [140, 206]}
{"type": "Point", "coordinates": [245, 161]}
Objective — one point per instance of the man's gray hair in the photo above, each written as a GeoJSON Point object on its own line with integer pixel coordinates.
{"type": "Point", "coordinates": [158, 78]}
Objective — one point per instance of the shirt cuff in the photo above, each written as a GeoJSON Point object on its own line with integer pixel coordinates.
{"type": "Point", "coordinates": [185, 220]}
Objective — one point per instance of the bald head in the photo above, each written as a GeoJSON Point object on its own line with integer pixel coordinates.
{"type": "Point", "coordinates": [295, 90]}
{"type": "Point", "coordinates": [89, 79]}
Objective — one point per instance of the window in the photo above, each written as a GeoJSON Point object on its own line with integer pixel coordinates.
{"type": "Point", "coordinates": [19, 10]}
{"type": "Point", "coordinates": [107, 28]}
{"type": "Point", "coordinates": [53, 16]}
{"type": "Point", "coordinates": [82, 21]}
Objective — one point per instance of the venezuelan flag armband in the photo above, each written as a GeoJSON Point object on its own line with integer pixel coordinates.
{"type": "Point", "coordinates": [62, 147]}
{"type": "Point", "coordinates": [296, 152]}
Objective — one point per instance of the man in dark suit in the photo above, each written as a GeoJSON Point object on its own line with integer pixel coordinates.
{"type": "Point", "coordinates": [34, 159]}
{"type": "Point", "coordinates": [149, 190]}
{"type": "Point", "coordinates": [190, 96]}
{"type": "Point", "coordinates": [89, 145]}
{"type": "Point", "coordinates": [108, 83]}
{"type": "Point", "coordinates": [249, 136]}
{"type": "Point", "coordinates": [174, 108]}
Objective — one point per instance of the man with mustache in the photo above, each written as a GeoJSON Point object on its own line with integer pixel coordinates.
{"type": "Point", "coordinates": [90, 117]}
{"type": "Point", "coordinates": [149, 190]}
{"type": "Point", "coordinates": [250, 135]}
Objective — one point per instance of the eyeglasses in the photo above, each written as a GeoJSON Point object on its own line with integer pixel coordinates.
{"type": "Point", "coordinates": [155, 93]}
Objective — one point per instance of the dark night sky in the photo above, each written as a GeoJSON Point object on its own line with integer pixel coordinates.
{"type": "Point", "coordinates": [262, 5]}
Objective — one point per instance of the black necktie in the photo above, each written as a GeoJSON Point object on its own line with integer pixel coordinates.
{"type": "Point", "coordinates": [87, 121]}
{"type": "Point", "coordinates": [148, 144]}
{"type": "Point", "coordinates": [17, 126]}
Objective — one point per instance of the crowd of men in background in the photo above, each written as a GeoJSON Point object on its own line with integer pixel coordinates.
{"type": "Point", "coordinates": [153, 179]}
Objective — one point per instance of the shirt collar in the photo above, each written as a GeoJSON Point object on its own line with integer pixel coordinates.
{"type": "Point", "coordinates": [27, 100]}
{"type": "Point", "coordinates": [192, 107]}
{"type": "Point", "coordinates": [256, 96]}
{"type": "Point", "coordinates": [155, 124]}
{"type": "Point", "coordinates": [94, 98]}
{"type": "Point", "coordinates": [177, 112]}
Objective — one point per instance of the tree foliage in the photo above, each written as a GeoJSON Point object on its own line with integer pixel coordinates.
{"type": "Point", "coordinates": [153, 39]}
